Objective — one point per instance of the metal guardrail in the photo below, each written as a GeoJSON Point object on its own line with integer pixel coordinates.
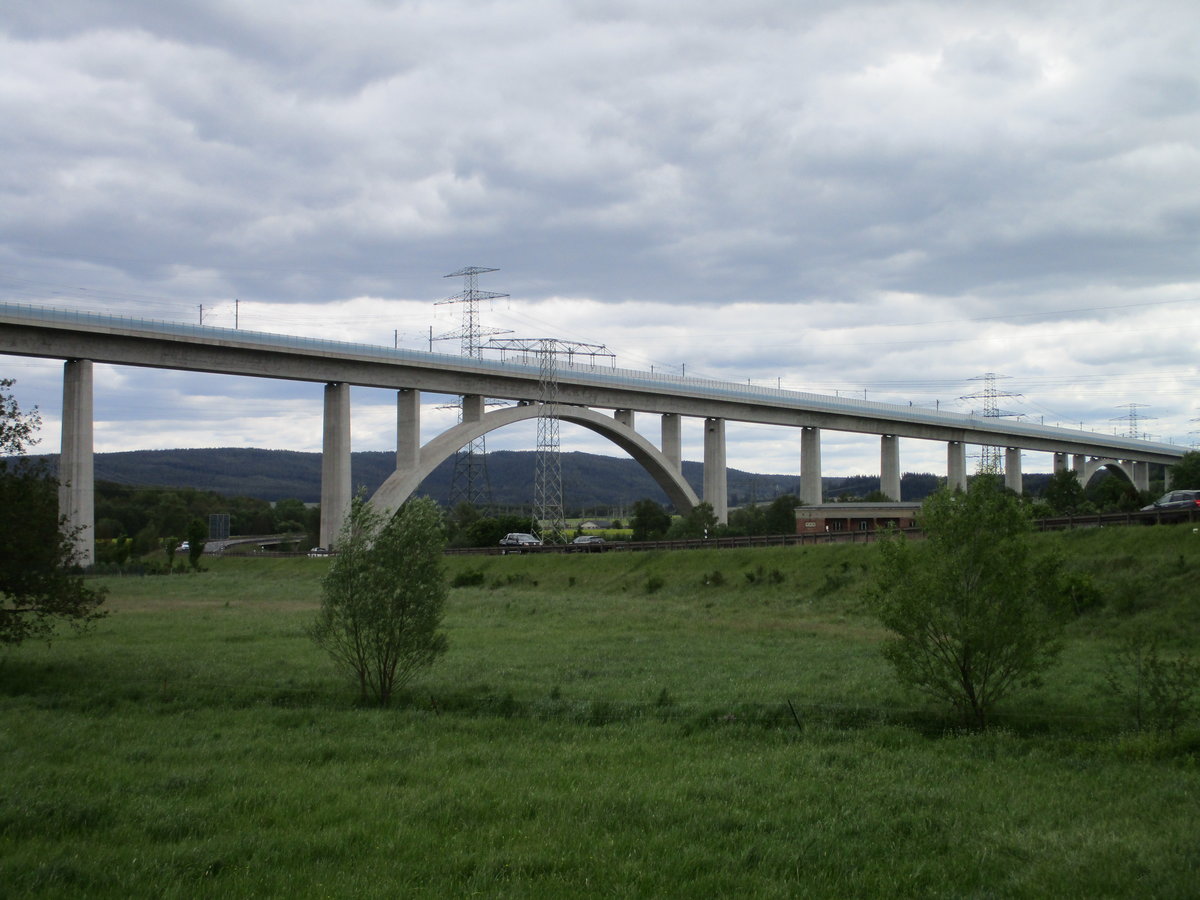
{"type": "Point", "coordinates": [1138, 517]}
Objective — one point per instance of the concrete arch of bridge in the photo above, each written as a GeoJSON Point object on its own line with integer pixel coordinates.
{"type": "Point", "coordinates": [400, 485]}
{"type": "Point", "coordinates": [1092, 467]}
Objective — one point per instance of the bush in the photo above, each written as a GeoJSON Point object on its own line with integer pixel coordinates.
{"type": "Point", "coordinates": [382, 599]}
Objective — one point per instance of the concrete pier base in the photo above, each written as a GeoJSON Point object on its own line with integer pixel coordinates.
{"type": "Point", "coordinates": [1013, 479]}
{"type": "Point", "coordinates": [889, 466]}
{"type": "Point", "coordinates": [472, 407]}
{"type": "Point", "coordinates": [335, 463]}
{"type": "Point", "coordinates": [956, 465]}
{"type": "Point", "coordinates": [408, 430]}
{"type": "Point", "coordinates": [811, 492]}
{"type": "Point", "coordinates": [76, 470]}
{"type": "Point", "coordinates": [716, 487]}
{"type": "Point", "coordinates": [672, 440]}
{"type": "Point", "coordinates": [1141, 475]}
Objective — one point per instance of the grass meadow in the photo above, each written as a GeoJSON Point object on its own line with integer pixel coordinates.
{"type": "Point", "coordinates": [603, 724]}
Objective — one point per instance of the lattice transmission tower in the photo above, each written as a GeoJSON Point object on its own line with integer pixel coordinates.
{"type": "Point", "coordinates": [549, 519]}
{"type": "Point", "coordinates": [470, 483]}
{"type": "Point", "coordinates": [991, 459]}
{"type": "Point", "coordinates": [1132, 418]}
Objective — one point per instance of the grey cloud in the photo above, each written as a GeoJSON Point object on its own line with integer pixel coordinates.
{"type": "Point", "coordinates": [976, 158]}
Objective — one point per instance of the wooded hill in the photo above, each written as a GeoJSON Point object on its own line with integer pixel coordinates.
{"type": "Point", "coordinates": [590, 481]}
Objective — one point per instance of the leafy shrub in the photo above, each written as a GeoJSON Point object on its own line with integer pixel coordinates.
{"type": "Point", "coordinates": [1081, 592]}
{"type": "Point", "coordinates": [467, 579]}
{"type": "Point", "coordinates": [761, 576]}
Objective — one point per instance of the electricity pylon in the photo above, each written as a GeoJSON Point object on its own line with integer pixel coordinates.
{"type": "Point", "coordinates": [469, 482]}
{"type": "Point", "coordinates": [991, 459]}
{"type": "Point", "coordinates": [549, 519]}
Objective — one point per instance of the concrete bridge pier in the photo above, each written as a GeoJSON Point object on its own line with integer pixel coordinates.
{"type": "Point", "coordinates": [811, 493]}
{"type": "Point", "coordinates": [672, 441]}
{"type": "Point", "coordinates": [472, 407]}
{"type": "Point", "coordinates": [1012, 469]}
{"type": "Point", "coordinates": [335, 462]}
{"type": "Point", "coordinates": [76, 469]}
{"type": "Point", "coordinates": [1141, 475]}
{"type": "Point", "coordinates": [1079, 464]}
{"type": "Point", "coordinates": [1060, 462]}
{"type": "Point", "coordinates": [716, 487]}
{"type": "Point", "coordinates": [889, 466]}
{"type": "Point", "coordinates": [624, 416]}
{"type": "Point", "coordinates": [408, 430]}
{"type": "Point", "coordinates": [956, 465]}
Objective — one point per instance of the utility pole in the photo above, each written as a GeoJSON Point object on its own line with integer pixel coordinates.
{"type": "Point", "coordinates": [1132, 418]}
{"type": "Point", "coordinates": [548, 516]}
{"type": "Point", "coordinates": [470, 482]}
{"type": "Point", "coordinates": [991, 459]}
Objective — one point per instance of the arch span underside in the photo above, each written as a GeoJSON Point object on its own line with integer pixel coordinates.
{"type": "Point", "coordinates": [1094, 466]}
{"type": "Point", "coordinates": [401, 484]}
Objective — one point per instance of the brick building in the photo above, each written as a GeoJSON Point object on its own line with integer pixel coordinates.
{"type": "Point", "coordinates": [852, 517]}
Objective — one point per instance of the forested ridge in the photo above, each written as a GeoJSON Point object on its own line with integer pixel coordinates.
{"type": "Point", "coordinates": [589, 480]}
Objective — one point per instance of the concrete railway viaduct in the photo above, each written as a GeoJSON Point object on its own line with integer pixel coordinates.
{"type": "Point", "coordinates": [80, 339]}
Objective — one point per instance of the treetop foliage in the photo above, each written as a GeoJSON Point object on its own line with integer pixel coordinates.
{"type": "Point", "coordinates": [18, 430]}
{"type": "Point", "coordinates": [1185, 474]}
{"type": "Point", "coordinates": [382, 599]}
{"type": "Point", "coordinates": [974, 612]}
{"type": "Point", "coordinates": [40, 585]}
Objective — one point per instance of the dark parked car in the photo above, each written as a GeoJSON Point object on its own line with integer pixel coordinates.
{"type": "Point", "coordinates": [1175, 500]}
{"type": "Point", "coordinates": [517, 542]}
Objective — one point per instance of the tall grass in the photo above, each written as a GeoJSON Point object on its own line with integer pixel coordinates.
{"type": "Point", "coordinates": [587, 736]}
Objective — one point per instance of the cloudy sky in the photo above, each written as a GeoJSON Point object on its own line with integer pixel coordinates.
{"type": "Point", "coordinates": [880, 199]}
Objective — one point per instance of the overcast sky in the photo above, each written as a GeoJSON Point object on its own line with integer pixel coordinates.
{"type": "Point", "coordinates": [873, 198]}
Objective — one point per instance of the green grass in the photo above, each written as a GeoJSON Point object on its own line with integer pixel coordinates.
{"type": "Point", "coordinates": [587, 735]}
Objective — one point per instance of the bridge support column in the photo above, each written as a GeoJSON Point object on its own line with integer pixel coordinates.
{"type": "Point", "coordinates": [889, 466]}
{"type": "Point", "coordinates": [472, 407]}
{"type": "Point", "coordinates": [335, 462]}
{"type": "Point", "coordinates": [1060, 462]}
{"type": "Point", "coordinates": [1079, 464]}
{"type": "Point", "coordinates": [716, 487]}
{"type": "Point", "coordinates": [811, 493]}
{"type": "Point", "coordinates": [408, 430]}
{"type": "Point", "coordinates": [672, 441]}
{"type": "Point", "coordinates": [1167, 477]}
{"type": "Point", "coordinates": [1141, 475]}
{"type": "Point", "coordinates": [956, 465]}
{"type": "Point", "coordinates": [624, 416]}
{"type": "Point", "coordinates": [1012, 469]}
{"type": "Point", "coordinates": [76, 471]}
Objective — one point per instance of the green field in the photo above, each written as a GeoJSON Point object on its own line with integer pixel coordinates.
{"type": "Point", "coordinates": [603, 724]}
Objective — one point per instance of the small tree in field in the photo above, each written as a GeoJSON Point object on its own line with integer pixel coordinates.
{"type": "Point", "coordinates": [197, 534]}
{"type": "Point", "coordinates": [973, 611]}
{"type": "Point", "coordinates": [382, 600]}
{"type": "Point", "coordinates": [40, 584]}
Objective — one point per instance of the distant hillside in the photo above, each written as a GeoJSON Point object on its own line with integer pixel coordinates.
{"type": "Point", "coordinates": [589, 480]}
